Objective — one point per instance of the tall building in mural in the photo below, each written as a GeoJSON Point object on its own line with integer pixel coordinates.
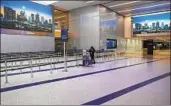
{"type": "Point", "coordinates": [32, 18]}
{"type": "Point", "coordinates": [9, 14]}
{"type": "Point", "coordinates": [37, 19]}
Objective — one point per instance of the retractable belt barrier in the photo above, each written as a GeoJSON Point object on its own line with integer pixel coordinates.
{"type": "Point", "coordinates": [49, 59]}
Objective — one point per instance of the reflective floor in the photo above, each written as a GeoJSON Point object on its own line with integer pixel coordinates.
{"type": "Point", "coordinates": [120, 81]}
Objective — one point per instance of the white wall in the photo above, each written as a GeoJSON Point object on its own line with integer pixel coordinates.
{"type": "Point", "coordinates": [85, 23]}
{"type": "Point", "coordinates": [24, 43]}
{"type": "Point", "coordinates": [116, 33]}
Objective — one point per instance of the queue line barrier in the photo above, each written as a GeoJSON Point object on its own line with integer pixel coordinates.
{"type": "Point", "coordinates": [43, 59]}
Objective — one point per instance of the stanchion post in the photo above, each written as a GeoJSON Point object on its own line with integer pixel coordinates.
{"type": "Point", "coordinates": [76, 59]}
{"type": "Point", "coordinates": [104, 58]}
{"type": "Point", "coordinates": [31, 68]}
{"type": "Point", "coordinates": [44, 59]}
{"type": "Point", "coordinates": [65, 59]}
{"type": "Point", "coordinates": [20, 64]}
{"type": "Point", "coordinates": [12, 63]}
{"type": "Point", "coordinates": [113, 55]}
{"type": "Point", "coordinates": [57, 59]}
{"type": "Point", "coordinates": [51, 71]}
{"type": "Point", "coordinates": [64, 38]}
{"type": "Point", "coordinates": [39, 61]}
{"type": "Point", "coordinates": [53, 62]}
{"type": "Point", "coordinates": [6, 74]}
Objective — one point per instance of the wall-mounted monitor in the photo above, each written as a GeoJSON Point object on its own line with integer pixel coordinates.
{"type": "Point", "coordinates": [111, 43]}
{"type": "Point", "coordinates": [25, 18]}
{"type": "Point", "coordinates": [151, 24]}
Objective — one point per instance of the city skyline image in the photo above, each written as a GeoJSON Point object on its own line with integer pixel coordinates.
{"type": "Point", "coordinates": [26, 15]}
{"type": "Point", "coordinates": [108, 26]}
{"type": "Point", "coordinates": [154, 23]}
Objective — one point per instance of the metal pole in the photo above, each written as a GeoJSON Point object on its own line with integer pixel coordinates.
{"type": "Point", "coordinates": [100, 56]}
{"type": "Point", "coordinates": [15, 63]}
{"type": "Point", "coordinates": [44, 59]}
{"type": "Point", "coordinates": [65, 63]}
{"type": "Point", "coordinates": [12, 63]}
{"type": "Point", "coordinates": [108, 55]}
{"type": "Point", "coordinates": [20, 65]}
{"type": "Point", "coordinates": [54, 62]}
{"type": "Point", "coordinates": [76, 59]}
{"type": "Point", "coordinates": [113, 55]}
{"type": "Point", "coordinates": [57, 59]}
{"type": "Point", "coordinates": [6, 74]}
{"type": "Point", "coordinates": [39, 61]}
{"type": "Point", "coordinates": [31, 67]}
{"type": "Point", "coordinates": [50, 59]}
{"type": "Point", "coordinates": [104, 56]}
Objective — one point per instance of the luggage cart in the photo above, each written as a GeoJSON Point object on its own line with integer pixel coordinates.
{"type": "Point", "coordinates": [87, 60]}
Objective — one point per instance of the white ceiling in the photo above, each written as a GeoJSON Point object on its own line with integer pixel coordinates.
{"type": "Point", "coordinates": [125, 8]}
{"type": "Point", "coordinates": [69, 5]}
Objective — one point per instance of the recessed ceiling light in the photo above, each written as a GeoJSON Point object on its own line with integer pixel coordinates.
{"type": "Point", "coordinates": [61, 16]}
{"type": "Point", "coordinates": [144, 7]}
{"type": "Point", "coordinates": [124, 4]}
{"type": "Point", "coordinates": [90, 1]}
{"type": "Point", "coordinates": [44, 2]}
{"type": "Point", "coordinates": [151, 14]}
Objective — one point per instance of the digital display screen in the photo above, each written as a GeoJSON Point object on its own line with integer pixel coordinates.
{"type": "Point", "coordinates": [111, 43]}
{"type": "Point", "coordinates": [64, 34]}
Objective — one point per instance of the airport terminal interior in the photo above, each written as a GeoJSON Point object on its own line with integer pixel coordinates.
{"type": "Point", "coordinates": [106, 52]}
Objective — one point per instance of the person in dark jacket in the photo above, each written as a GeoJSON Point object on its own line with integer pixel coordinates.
{"type": "Point", "coordinates": [92, 51]}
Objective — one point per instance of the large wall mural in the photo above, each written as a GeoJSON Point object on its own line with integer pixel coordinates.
{"type": "Point", "coordinates": [108, 26]}
{"type": "Point", "coordinates": [25, 18]}
{"type": "Point", "coordinates": [152, 23]}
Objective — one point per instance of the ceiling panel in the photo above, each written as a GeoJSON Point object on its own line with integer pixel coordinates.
{"type": "Point", "coordinates": [118, 5]}
{"type": "Point", "coordinates": [148, 5]}
{"type": "Point", "coordinates": [138, 7]}
{"type": "Point", "coordinates": [121, 4]}
{"type": "Point", "coordinates": [69, 5]}
{"type": "Point", "coordinates": [137, 4]}
{"type": "Point", "coordinates": [149, 10]}
{"type": "Point", "coordinates": [111, 3]}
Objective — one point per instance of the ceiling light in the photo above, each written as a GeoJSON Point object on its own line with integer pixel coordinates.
{"type": "Point", "coordinates": [90, 1]}
{"type": "Point", "coordinates": [124, 4]}
{"type": "Point", "coordinates": [147, 13]}
{"type": "Point", "coordinates": [44, 2]}
{"type": "Point", "coordinates": [144, 7]}
{"type": "Point", "coordinates": [151, 14]}
{"type": "Point", "coordinates": [60, 17]}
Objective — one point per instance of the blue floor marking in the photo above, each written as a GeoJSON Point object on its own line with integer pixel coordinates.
{"type": "Point", "coordinates": [54, 69]}
{"type": "Point", "coordinates": [66, 78]}
{"type": "Point", "coordinates": [119, 93]}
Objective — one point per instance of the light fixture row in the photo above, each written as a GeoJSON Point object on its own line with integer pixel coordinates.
{"type": "Point", "coordinates": [144, 7]}
{"type": "Point", "coordinates": [45, 2]}
{"type": "Point", "coordinates": [48, 2]}
{"type": "Point", "coordinates": [124, 4]}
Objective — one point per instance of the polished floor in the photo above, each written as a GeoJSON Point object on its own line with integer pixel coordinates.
{"type": "Point", "coordinates": [120, 81]}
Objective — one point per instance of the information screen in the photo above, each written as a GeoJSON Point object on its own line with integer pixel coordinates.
{"type": "Point", "coordinates": [64, 35]}
{"type": "Point", "coordinates": [111, 43]}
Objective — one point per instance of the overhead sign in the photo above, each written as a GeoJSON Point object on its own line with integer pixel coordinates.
{"type": "Point", "coordinates": [64, 35]}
